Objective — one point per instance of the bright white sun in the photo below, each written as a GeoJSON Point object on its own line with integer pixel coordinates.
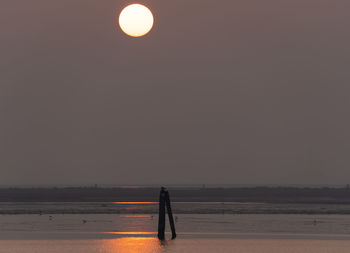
{"type": "Point", "coordinates": [136, 20]}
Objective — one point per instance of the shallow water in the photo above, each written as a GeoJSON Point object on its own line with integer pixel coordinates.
{"type": "Point", "coordinates": [152, 245]}
{"type": "Point", "coordinates": [178, 207]}
{"type": "Point", "coordinates": [185, 223]}
{"type": "Point", "coordinates": [132, 233]}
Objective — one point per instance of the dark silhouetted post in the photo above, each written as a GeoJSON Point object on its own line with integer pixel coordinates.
{"type": "Point", "coordinates": [170, 214]}
{"type": "Point", "coordinates": [164, 199]}
{"type": "Point", "coordinates": [161, 220]}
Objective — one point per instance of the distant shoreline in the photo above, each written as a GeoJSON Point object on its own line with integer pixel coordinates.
{"type": "Point", "coordinates": [279, 195]}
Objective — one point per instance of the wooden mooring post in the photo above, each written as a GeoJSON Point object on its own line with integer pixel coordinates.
{"type": "Point", "coordinates": [164, 200]}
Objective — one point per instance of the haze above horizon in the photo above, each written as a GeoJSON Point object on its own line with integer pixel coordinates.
{"type": "Point", "coordinates": [220, 92]}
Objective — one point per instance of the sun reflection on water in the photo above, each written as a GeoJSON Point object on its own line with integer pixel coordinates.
{"type": "Point", "coordinates": [132, 233]}
{"type": "Point", "coordinates": [132, 245]}
{"type": "Point", "coordinates": [134, 203]}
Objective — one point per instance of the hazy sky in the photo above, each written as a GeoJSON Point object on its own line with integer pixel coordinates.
{"type": "Point", "coordinates": [221, 91]}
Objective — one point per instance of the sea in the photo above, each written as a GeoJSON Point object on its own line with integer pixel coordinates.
{"type": "Point", "coordinates": [130, 227]}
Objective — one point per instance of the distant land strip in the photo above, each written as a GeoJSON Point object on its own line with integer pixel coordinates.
{"type": "Point", "coordinates": [278, 195]}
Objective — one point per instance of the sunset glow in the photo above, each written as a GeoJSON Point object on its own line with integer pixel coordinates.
{"type": "Point", "coordinates": [132, 233]}
{"type": "Point", "coordinates": [132, 245]}
{"type": "Point", "coordinates": [134, 203]}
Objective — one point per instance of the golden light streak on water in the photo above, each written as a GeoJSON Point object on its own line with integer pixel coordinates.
{"type": "Point", "coordinates": [134, 203]}
{"type": "Point", "coordinates": [132, 245]}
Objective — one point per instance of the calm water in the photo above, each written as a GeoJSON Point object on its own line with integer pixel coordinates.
{"type": "Point", "coordinates": [198, 231]}
{"type": "Point", "coordinates": [178, 207]}
{"type": "Point", "coordinates": [151, 245]}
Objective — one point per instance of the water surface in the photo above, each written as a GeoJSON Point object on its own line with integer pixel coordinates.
{"type": "Point", "coordinates": [134, 229]}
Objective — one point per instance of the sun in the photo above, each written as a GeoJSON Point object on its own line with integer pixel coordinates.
{"type": "Point", "coordinates": [136, 20]}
